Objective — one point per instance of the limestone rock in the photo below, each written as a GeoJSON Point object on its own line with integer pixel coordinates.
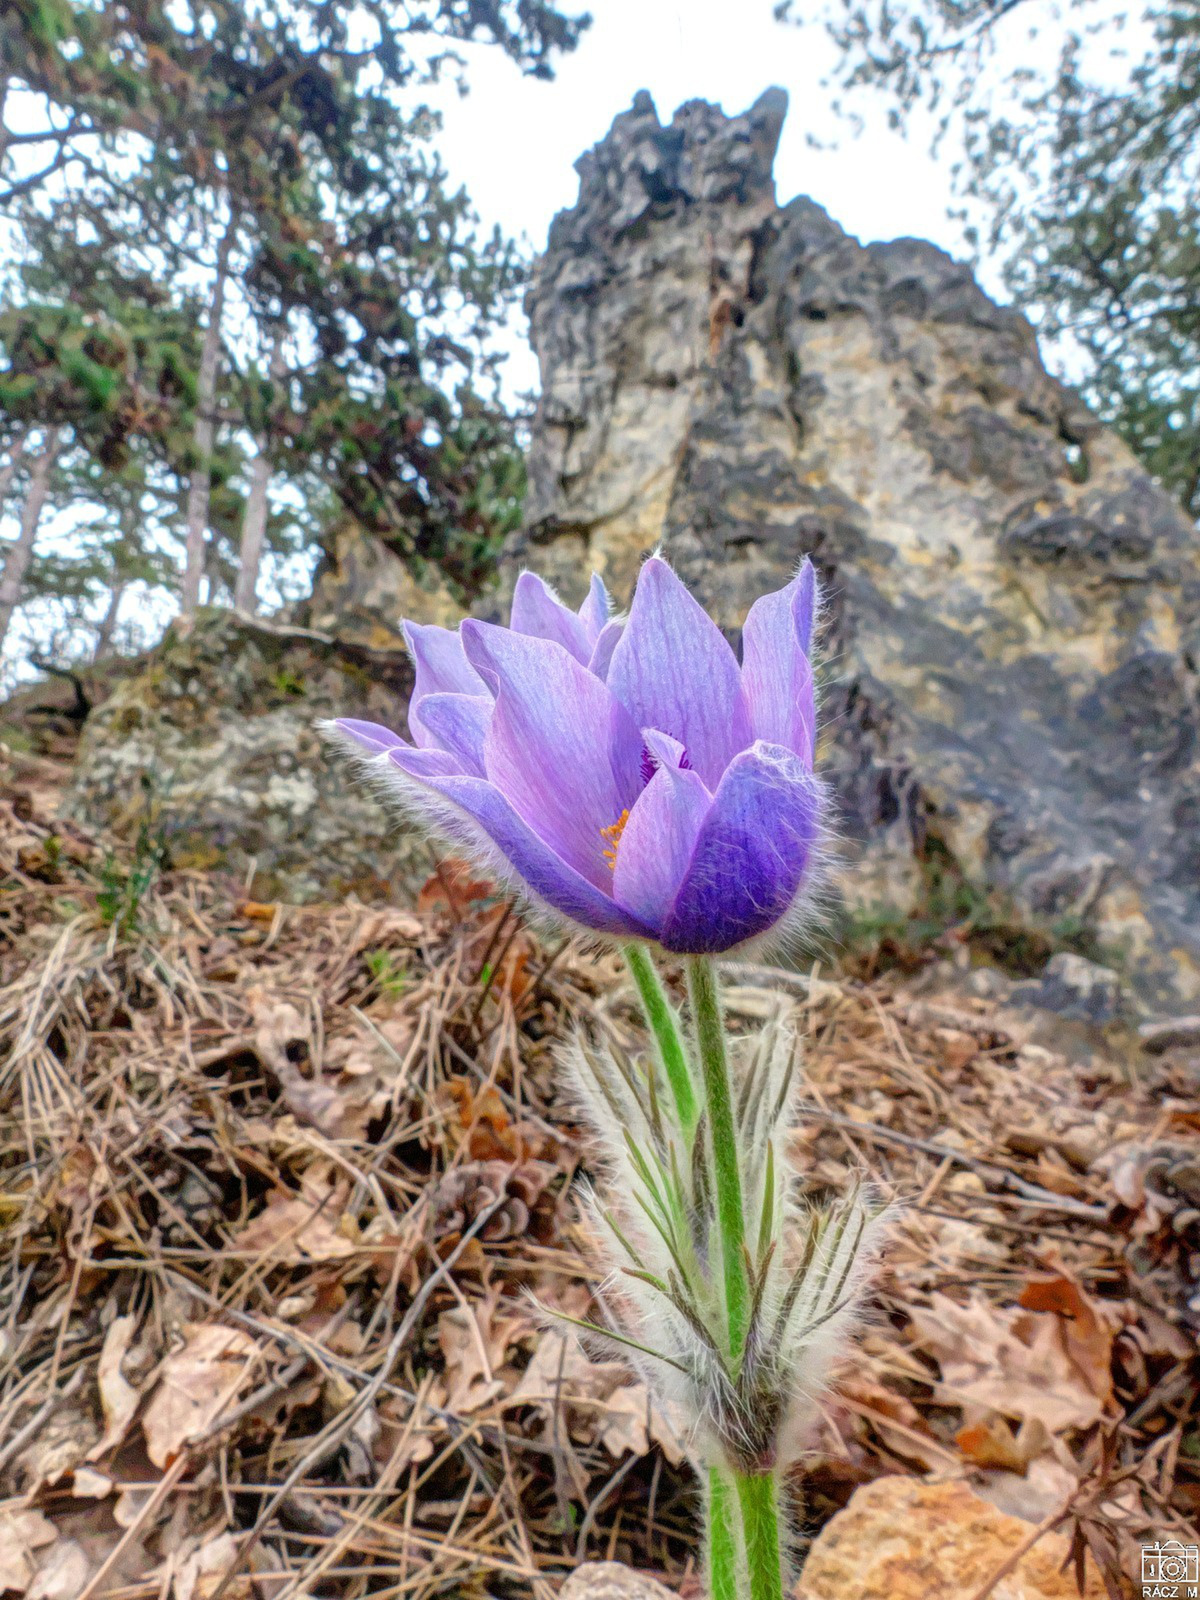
{"type": "Point", "coordinates": [1077, 989]}
{"type": "Point", "coordinates": [1014, 606]}
{"type": "Point", "coordinates": [212, 743]}
{"type": "Point", "coordinates": [609, 1580]}
{"type": "Point", "coordinates": [363, 590]}
{"type": "Point", "coordinates": [904, 1539]}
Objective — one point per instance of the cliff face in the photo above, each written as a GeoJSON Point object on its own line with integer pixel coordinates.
{"type": "Point", "coordinates": [1014, 621]}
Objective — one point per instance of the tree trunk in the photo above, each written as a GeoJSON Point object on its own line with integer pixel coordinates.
{"type": "Point", "coordinates": [9, 470]}
{"type": "Point", "coordinates": [108, 623]}
{"type": "Point", "coordinates": [16, 562]}
{"type": "Point", "coordinates": [254, 523]}
{"type": "Point", "coordinates": [203, 433]}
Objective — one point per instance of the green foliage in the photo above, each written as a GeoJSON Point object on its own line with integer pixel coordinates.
{"type": "Point", "coordinates": [1083, 175]}
{"type": "Point", "coordinates": [389, 972]}
{"type": "Point", "coordinates": [285, 682]}
{"type": "Point", "coordinates": [360, 296]}
{"type": "Point", "coordinates": [124, 885]}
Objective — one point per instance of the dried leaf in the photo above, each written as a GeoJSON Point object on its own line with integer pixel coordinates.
{"type": "Point", "coordinates": [309, 1226]}
{"type": "Point", "coordinates": [562, 1374]}
{"type": "Point", "coordinates": [476, 1341]}
{"type": "Point", "coordinates": [991, 1442]}
{"type": "Point", "coordinates": [200, 1572]}
{"type": "Point", "coordinates": [62, 1573]}
{"type": "Point", "coordinates": [1013, 1362]}
{"type": "Point", "coordinates": [1087, 1337]}
{"type": "Point", "coordinates": [22, 1534]}
{"type": "Point", "coordinates": [453, 888]}
{"type": "Point", "coordinates": [118, 1397]}
{"type": "Point", "coordinates": [194, 1387]}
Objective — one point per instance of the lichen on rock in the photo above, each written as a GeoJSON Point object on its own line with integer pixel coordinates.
{"type": "Point", "coordinates": [212, 745]}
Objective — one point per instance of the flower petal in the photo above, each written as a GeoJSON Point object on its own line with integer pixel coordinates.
{"type": "Point", "coordinates": [806, 604]}
{"type": "Point", "coordinates": [777, 675]}
{"type": "Point", "coordinates": [540, 614]}
{"type": "Point", "coordinates": [485, 823]}
{"type": "Point", "coordinates": [441, 663]}
{"type": "Point", "coordinates": [441, 668]}
{"type": "Point", "coordinates": [656, 843]}
{"type": "Point", "coordinates": [458, 723]}
{"type": "Point", "coordinates": [425, 764]}
{"type": "Point", "coordinates": [606, 643]}
{"type": "Point", "coordinates": [559, 746]}
{"type": "Point", "coordinates": [751, 855]}
{"type": "Point", "coordinates": [673, 669]}
{"type": "Point", "coordinates": [370, 736]}
{"type": "Point", "coordinates": [593, 613]}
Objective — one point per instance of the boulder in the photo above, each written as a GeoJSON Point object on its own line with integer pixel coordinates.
{"type": "Point", "coordinates": [609, 1580]}
{"type": "Point", "coordinates": [1013, 620]}
{"type": "Point", "coordinates": [904, 1539]}
{"type": "Point", "coordinates": [211, 746]}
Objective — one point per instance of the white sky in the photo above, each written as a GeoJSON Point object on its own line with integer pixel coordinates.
{"type": "Point", "coordinates": [512, 142]}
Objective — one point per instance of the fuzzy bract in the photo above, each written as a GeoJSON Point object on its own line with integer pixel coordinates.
{"type": "Point", "coordinates": [628, 774]}
{"type": "Point", "coordinates": [655, 1211]}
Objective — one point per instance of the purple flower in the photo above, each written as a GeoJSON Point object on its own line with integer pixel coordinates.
{"type": "Point", "coordinates": [630, 775]}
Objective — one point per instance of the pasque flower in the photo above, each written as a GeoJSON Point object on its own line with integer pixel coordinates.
{"type": "Point", "coordinates": [635, 778]}
{"type": "Point", "coordinates": [630, 775]}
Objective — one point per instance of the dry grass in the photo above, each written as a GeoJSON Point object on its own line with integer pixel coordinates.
{"type": "Point", "coordinates": [277, 1181]}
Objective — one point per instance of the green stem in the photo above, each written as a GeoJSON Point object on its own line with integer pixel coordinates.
{"type": "Point", "coordinates": [664, 1025]}
{"type": "Point", "coordinates": [722, 1538]}
{"type": "Point", "coordinates": [718, 1096]}
{"type": "Point", "coordinates": [758, 1496]}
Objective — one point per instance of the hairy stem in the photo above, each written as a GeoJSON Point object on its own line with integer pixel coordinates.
{"type": "Point", "coordinates": [758, 1496]}
{"type": "Point", "coordinates": [727, 1174]}
{"type": "Point", "coordinates": [664, 1025]}
{"type": "Point", "coordinates": [722, 1538]}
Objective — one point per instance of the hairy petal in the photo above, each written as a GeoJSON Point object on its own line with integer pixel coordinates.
{"type": "Point", "coordinates": [458, 723]}
{"type": "Point", "coordinates": [424, 764]}
{"type": "Point", "coordinates": [673, 669]}
{"type": "Point", "coordinates": [441, 663]}
{"type": "Point", "coordinates": [369, 737]}
{"type": "Point", "coordinates": [538, 612]}
{"type": "Point", "coordinates": [751, 854]}
{"type": "Point", "coordinates": [657, 841]}
{"type": "Point", "coordinates": [559, 746]}
{"type": "Point", "coordinates": [777, 676]}
{"type": "Point", "coordinates": [593, 613]}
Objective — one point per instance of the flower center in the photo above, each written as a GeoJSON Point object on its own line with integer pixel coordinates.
{"type": "Point", "coordinates": [650, 765]}
{"type": "Point", "coordinates": [612, 837]}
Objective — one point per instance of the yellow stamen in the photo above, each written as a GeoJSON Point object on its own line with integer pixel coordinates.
{"type": "Point", "coordinates": [613, 834]}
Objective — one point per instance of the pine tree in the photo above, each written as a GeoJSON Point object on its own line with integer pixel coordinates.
{"type": "Point", "coordinates": [1079, 134]}
{"type": "Point", "coordinates": [277, 168]}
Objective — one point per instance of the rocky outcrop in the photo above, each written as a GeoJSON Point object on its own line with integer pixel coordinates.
{"type": "Point", "coordinates": [211, 749]}
{"type": "Point", "coordinates": [901, 1539]}
{"type": "Point", "coordinates": [1013, 629]}
{"type": "Point", "coordinates": [363, 590]}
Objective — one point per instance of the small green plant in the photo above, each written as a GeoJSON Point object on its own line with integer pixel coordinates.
{"type": "Point", "coordinates": [287, 682]}
{"type": "Point", "coordinates": [389, 973]}
{"type": "Point", "coordinates": [124, 887]}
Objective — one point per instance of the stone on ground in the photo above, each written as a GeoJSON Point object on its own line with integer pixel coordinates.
{"type": "Point", "coordinates": [904, 1539]}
